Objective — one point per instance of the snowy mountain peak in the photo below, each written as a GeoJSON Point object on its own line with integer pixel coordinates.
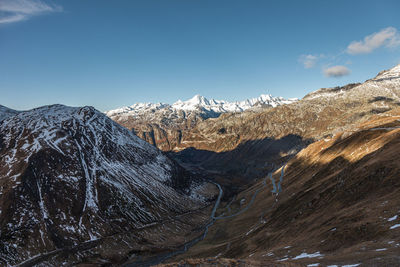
{"type": "Point", "coordinates": [389, 74]}
{"type": "Point", "coordinates": [202, 104]}
{"type": "Point", "coordinates": [198, 99]}
{"type": "Point", "coordinates": [194, 103]}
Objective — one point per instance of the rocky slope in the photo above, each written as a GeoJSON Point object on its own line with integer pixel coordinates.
{"type": "Point", "coordinates": [73, 178]}
{"type": "Point", "coordinates": [164, 125]}
{"type": "Point", "coordinates": [338, 205]}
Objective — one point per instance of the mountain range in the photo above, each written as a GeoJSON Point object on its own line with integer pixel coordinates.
{"type": "Point", "coordinates": [163, 125]}
{"type": "Point", "coordinates": [202, 104]}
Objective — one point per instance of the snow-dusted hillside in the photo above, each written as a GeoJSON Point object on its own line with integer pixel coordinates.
{"type": "Point", "coordinates": [203, 105]}
{"type": "Point", "coordinates": [6, 112]}
{"type": "Point", "coordinates": [69, 175]}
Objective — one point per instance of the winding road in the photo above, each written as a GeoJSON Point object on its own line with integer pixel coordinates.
{"type": "Point", "coordinates": [160, 258]}
{"type": "Point", "coordinates": [264, 182]}
{"type": "Point", "coordinates": [184, 248]}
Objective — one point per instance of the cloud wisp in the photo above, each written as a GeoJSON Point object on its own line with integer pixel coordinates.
{"type": "Point", "coordinates": [336, 71]}
{"type": "Point", "coordinates": [308, 61]}
{"type": "Point", "coordinates": [18, 10]}
{"type": "Point", "coordinates": [388, 37]}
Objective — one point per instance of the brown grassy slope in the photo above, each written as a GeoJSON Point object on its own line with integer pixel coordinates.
{"type": "Point", "coordinates": [338, 195]}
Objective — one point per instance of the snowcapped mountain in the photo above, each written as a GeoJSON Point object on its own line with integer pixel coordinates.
{"type": "Point", "coordinates": [221, 106]}
{"type": "Point", "coordinates": [164, 125]}
{"type": "Point", "coordinates": [72, 175]}
{"type": "Point", "coordinates": [202, 104]}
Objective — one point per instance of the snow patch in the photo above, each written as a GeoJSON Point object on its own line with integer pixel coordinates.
{"type": "Point", "coordinates": [306, 255]}
{"type": "Point", "coordinates": [284, 259]}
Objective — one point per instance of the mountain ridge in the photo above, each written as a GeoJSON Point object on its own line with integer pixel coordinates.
{"type": "Point", "coordinates": [70, 175]}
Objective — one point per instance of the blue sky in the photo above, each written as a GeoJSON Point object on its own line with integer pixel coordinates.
{"type": "Point", "coordinates": [109, 54]}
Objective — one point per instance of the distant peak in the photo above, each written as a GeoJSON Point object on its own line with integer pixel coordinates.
{"type": "Point", "coordinates": [197, 99]}
{"type": "Point", "coordinates": [193, 102]}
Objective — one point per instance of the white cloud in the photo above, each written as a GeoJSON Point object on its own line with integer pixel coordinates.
{"type": "Point", "coordinates": [308, 61]}
{"type": "Point", "coordinates": [11, 18]}
{"type": "Point", "coordinates": [388, 37]}
{"type": "Point", "coordinates": [18, 10]}
{"type": "Point", "coordinates": [336, 71]}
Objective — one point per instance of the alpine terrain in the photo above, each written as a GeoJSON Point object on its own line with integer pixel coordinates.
{"type": "Point", "coordinates": [140, 133]}
{"type": "Point", "coordinates": [263, 182]}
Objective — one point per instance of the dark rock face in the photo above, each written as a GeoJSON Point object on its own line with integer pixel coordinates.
{"type": "Point", "coordinates": [71, 175]}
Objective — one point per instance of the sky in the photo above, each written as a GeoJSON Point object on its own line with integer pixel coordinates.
{"type": "Point", "coordinates": [109, 54]}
